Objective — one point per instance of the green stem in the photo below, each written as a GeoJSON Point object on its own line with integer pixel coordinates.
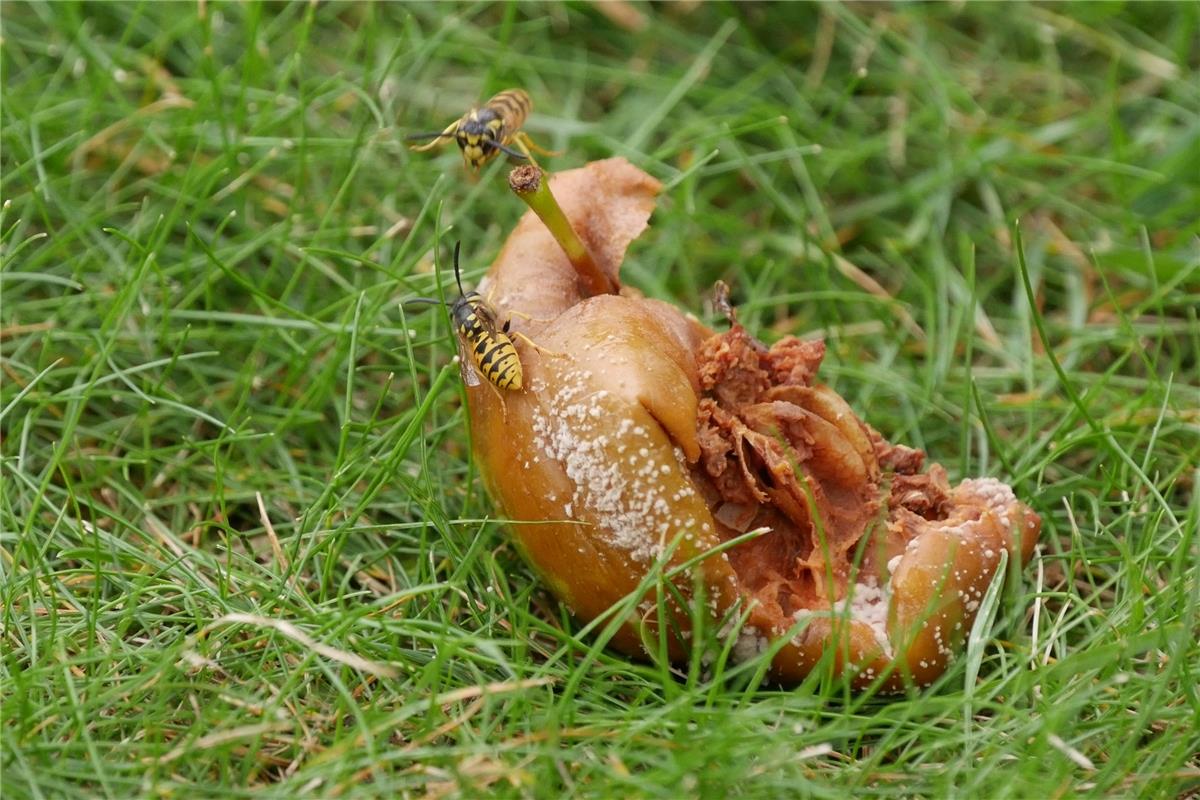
{"type": "Point", "coordinates": [528, 183]}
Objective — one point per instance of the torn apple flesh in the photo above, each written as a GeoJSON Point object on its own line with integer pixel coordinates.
{"type": "Point", "coordinates": [855, 525]}
{"type": "Point", "coordinates": [639, 427]}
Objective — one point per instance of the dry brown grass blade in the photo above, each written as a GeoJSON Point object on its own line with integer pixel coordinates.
{"type": "Point", "coordinates": [304, 640]}
{"type": "Point", "coordinates": [869, 285]}
{"type": "Point", "coordinates": [1143, 59]}
{"type": "Point", "coordinates": [220, 737]}
{"type": "Point", "coordinates": [622, 13]}
{"type": "Point", "coordinates": [101, 138]}
{"type": "Point", "coordinates": [280, 558]}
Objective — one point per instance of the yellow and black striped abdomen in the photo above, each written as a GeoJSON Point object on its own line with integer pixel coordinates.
{"type": "Point", "coordinates": [493, 352]}
{"type": "Point", "coordinates": [513, 106]}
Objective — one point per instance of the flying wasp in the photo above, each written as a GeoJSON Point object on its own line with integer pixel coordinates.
{"type": "Point", "coordinates": [483, 133]}
{"type": "Point", "coordinates": [490, 347]}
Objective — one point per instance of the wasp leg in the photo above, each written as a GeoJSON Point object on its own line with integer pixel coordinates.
{"type": "Point", "coordinates": [520, 151]}
{"type": "Point", "coordinates": [523, 140]}
{"type": "Point", "coordinates": [536, 346]}
{"type": "Point", "coordinates": [437, 140]}
{"type": "Point", "coordinates": [488, 298]}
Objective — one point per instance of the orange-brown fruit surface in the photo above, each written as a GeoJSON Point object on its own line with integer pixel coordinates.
{"type": "Point", "coordinates": [638, 427]}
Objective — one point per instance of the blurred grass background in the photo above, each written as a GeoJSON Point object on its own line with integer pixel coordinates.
{"type": "Point", "coordinates": [243, 546]}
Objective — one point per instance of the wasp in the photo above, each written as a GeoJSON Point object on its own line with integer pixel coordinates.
{"type": "Point", "coordinates": [483, 133]}
{"type": "Point", "coordinates": [490, 347]}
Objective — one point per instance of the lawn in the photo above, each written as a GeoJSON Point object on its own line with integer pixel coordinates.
{"type": "Point", "coordinates": [244, 548]}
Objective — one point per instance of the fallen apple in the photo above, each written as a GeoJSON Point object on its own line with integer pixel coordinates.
{"type": "Point", "coordinates": [639, 433]}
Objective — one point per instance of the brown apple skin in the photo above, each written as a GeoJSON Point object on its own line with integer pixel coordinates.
{"type": "Point", "coordinates": [589, 463]}
{"type": "Point", "coordinates": [593, 462]}
{"type": "Point", "coordinates": [941, 580]}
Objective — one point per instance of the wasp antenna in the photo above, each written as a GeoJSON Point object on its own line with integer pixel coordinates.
{"type": "Point", "coordinates": [457, 275]}
{"type": "Point", "coordinates": [510, 152]}
{"type": "Point", "coordinates": [416, 137]}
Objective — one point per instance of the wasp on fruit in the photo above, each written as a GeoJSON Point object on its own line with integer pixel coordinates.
{"type": "Point", "coordinates": [490, 347]}
{"type": "Point", "coordinates": [485, 132]}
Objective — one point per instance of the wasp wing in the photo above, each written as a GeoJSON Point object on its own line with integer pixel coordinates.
{"type": "Point", "coordinates": [466, 366]}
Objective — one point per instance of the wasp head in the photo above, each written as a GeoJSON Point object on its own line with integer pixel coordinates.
{"type": "Point", "coordinates": [479, 137]}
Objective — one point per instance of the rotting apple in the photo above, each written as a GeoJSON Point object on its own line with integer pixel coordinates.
{"type": "Point", "coordinates": [639, 427]}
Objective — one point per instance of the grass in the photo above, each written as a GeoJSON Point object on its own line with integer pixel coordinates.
{"type": "Point", "coordinates": [243, 545]}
